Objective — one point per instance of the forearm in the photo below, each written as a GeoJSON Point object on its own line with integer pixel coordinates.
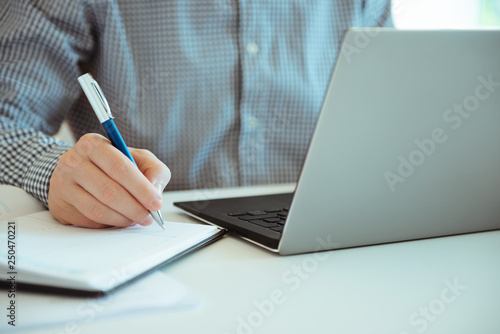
{"type": "Point", "coordinates": [40, 50]}
{"type": "Point", "coordinates": [28, 159]}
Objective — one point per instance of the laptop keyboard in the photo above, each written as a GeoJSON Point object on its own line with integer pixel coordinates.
{"type": "Point", "coordinates": [273, 219]}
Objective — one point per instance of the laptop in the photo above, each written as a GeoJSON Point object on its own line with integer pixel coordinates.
{"type": "Point", "coordinates": [406, 147]}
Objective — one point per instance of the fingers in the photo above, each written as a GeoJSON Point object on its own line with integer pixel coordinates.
{"type": "Point", "coordinates": [95, 185]}
{"type": "Point", "coordinates": [113, 162]}
{"type": "Point", "coordinates": [152, 168]}
{"type": "Point", "coordinates": [102, 193]}
{"type": "Point", "coordinates": [69, 215]}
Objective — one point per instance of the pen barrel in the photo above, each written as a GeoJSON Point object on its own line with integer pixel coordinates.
{"type": "Point", "coordinates": [116, 139]}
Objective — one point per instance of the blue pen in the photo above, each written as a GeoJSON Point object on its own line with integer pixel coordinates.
{"type": "Point", "coordinates": [101, 108]}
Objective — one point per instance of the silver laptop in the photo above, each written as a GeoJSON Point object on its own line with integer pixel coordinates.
{"type": "Point", "coordinates": [406, 146]}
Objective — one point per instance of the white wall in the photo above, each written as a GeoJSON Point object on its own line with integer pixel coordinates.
{"type": "Point", "coordinates": [436, 14]}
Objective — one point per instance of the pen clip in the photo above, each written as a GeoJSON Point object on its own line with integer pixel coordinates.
{"type": "Point", "coordinates": [103, 100]}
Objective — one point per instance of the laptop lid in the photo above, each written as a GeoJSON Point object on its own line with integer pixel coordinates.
{"type": "Point", "coordinates": [407, 144]}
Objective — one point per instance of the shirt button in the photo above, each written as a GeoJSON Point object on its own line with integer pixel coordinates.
{"type": "Point", "coordinates": [252, 122]}
{"type": "Point", "coordinates": [252, 48]}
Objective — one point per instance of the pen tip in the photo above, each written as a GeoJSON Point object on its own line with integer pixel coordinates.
{"type": "Point", "coordinates": [158, 218]}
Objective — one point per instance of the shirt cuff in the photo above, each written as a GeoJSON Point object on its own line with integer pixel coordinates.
{"type": "Point", "coordinates": [37, 179]}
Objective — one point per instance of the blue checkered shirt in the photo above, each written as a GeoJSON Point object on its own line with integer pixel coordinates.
{"type": "Point", "coordinates": [225, 92]}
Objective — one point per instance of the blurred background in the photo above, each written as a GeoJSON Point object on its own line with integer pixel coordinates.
{"type": "Point", "coordinates": [446, 14]}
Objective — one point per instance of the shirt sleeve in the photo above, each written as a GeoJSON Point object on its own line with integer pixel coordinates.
{"type": "Point", "coordinates": [41, 46]}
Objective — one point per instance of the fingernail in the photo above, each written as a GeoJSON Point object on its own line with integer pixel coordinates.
{"type": "Point", "coordinates": [146, 222]}
{"type": "Point", "coordinates": [159, 187]}
{"type": "Point", "coordinates": [157, 204]}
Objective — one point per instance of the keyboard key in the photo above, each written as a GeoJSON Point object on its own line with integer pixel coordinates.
{"type": "Point", "coordinates": [263, 223]}
{"type": "Point", "coordinates": [277, 228]}
{"type": "Point", "coordinates": [249, 217]}
{"type": "Point", "coordinates": [273, 220]}
{"type": "Point", "coordinates": [256, 213]}
{"type": "Point", "coordinates": [273, 210]}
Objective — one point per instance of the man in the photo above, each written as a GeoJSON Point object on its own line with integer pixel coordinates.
{"type": "Point", "coordinates": [224, 92]}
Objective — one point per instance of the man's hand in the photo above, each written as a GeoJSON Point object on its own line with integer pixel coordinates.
{"type": "Point", "coordinates": [95, 185]}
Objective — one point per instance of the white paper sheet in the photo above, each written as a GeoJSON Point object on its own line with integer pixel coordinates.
{"type": "Point", "coordinates": [154, 293]}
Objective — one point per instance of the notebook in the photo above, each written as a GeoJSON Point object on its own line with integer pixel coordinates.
{"type": "Point", "coordinates": [40, 254]}
{"type": "Point", "coordinates": [406, 146]}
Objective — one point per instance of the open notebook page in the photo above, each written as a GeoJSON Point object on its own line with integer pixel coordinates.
{"type": "Point", "coordinates": [15, 202]}
{"type": "Point", "coordinates": [52, 254]}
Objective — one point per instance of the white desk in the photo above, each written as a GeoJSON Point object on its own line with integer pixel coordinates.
{"type": "Point", "coordinates": [393, 289]}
